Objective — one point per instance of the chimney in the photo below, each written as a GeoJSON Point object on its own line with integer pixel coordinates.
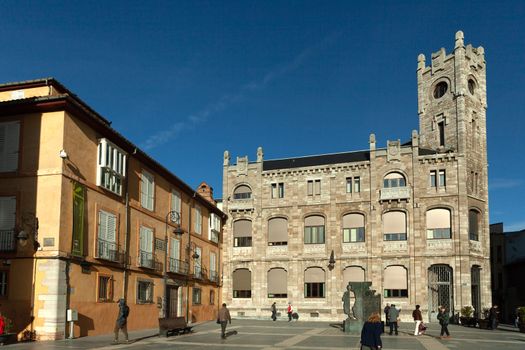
{"type": "Point", "coordinates": [206, 191]}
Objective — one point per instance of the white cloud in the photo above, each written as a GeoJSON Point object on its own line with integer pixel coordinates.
{"type": "Point", "coordinates": [514, 226]}
{"type": "Point", "coordinates": [226, 100]}
{"type": "Point", "coordinates": [496, 184]}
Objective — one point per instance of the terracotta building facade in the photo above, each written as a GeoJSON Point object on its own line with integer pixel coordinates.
{"type": "Point", "coordinates": [412, 217]}
{"type": "Point", "coordinates": [88, 218]}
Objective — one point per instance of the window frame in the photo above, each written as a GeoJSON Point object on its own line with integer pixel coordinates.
{"type": "Point", "coordinates": [196, 296]}
{"type": "Point", "coordinates": [112, 170]}
{"type": "Point", "coordinates": [149, 290]}
{"type": "Point", "coordinates": [10, 155]}
{"type": "Point", "coordinates": [176, 206]}
{"type": "Point", "coordinates": [147, 199]}
{"type": "Point", "coordinates": [108, 295]}
{"type": "Point", "coordinates": [311, 287]}
{"type": "Point", "coordinates": [198, 220]}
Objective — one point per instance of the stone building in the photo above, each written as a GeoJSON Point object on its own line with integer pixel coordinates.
{"type": "Point", "coordinates": [412, 218]}
{"type": "Point", "coordinates": [86, 218]}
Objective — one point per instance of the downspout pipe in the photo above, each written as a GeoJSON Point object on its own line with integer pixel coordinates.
{"type": "Point", "coordinates": [127, 233]}
{"type": "Point", "coordinates": [188, 251]}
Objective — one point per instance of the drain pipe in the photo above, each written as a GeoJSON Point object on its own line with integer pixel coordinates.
{"type": "Point", "coordinates": [188, 251]}
{"type": "Point", "coordinates": [127, 233]}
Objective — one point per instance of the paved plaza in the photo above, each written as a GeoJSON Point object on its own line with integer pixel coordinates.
{"type": "Point", "coordinates": [265, 335]}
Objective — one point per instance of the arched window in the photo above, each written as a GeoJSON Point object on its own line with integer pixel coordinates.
{"type": "Point", "coordinates": [394, 226]}
{"type": "Point", "coordinates": [474, 218]}
{"type": "Point", "coordinates": [242, 283]}
{"type": "Point", "coordinates": [353, 228]}
{"type": "Point", "coordinates": [314, 230]}
{"type": "Point", "coordinates": [438, 224]}
{"type": "Point", "coordinates": [277, 283]}
{"type": "Point", "coordinates": [394, 180]}
{"type": "Point", "coordinates": [314, 282]}
{"type": "Point", "coordinates": [353, 274]}
{"type": "Point", "coordinates": [242, 233]}
{"type": "Point", "coordinates": [395, 283]}
{"type": "Point", "coordinates": [242, 192]}
{"type": "Point", "coordinates": [278, 231]}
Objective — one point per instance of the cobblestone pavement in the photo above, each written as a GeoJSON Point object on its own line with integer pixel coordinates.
{"type": "Point", "coordinates": [265, 335]}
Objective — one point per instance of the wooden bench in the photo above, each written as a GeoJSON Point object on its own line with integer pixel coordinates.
{"type": "Point", "coordinates": [173, 325]}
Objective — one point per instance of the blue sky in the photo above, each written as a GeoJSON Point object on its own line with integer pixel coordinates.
{"type": "Point", "coordinates": [187, 80]}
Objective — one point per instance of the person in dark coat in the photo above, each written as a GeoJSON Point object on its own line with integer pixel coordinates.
{"type": "Point", "coordinates": [418, 318]}
{"type": "Point", "coordinates": [493, 317]}
{"type": "Point", "coordinates": [393, 314]}
{"type": "Point", "coordinates": [274, 312]}
{"type": "Point", "coordinates": [371, 333]}
{"type": "Point", "coordinates": [444, 319]}
{"type": "Point", "coordinates": [385, 310]}
{"type": "Point", "coordinates": [122, 320]}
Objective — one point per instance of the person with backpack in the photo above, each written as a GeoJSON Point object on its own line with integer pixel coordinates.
{"type": "Point", "coordinates": [122, 320]}
{"type": "Point", "coordinates": [444, 319]}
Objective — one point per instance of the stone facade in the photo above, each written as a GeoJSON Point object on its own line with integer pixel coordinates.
{"type": "Point", "coordinates": [434, 187]}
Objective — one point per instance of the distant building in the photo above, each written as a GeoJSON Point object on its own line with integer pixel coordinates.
{"type": "Point", "coordinates": [412, 218]}
{"type": "Point", "coordinates": [86, 218]}
{"type": "Point", "coordinates": [507, 261]}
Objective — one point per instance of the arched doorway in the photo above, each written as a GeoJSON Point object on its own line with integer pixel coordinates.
{"type": "Point", "coordinates": [440, 291]}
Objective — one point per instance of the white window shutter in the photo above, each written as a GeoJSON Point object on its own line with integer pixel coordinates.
{"type": "Point", "coordinates": [111, 228]}
{"type": "Point", "coordinates": [102, 225]}
{"type": "Point", "coordinates": [144, 191]}
{"type": "Point", "coordinates": [175, 249]}
{"type": "Point", "coordinates": [151, 193]}
{"type": "Point", "coordinates": [148, 243]}
{"type": "Point", "coordinates": [142, 239]}
{"type": "Point", "coordinates": [7, 213]}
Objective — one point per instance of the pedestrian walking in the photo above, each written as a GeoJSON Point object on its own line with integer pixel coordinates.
{"type": "Point", "coordinates": [493, 317]}
{"type": "Point", "coordinates": [223, 318]}
{"type": "Point", "coordinates": [385, 310]}
{"type": "Point", "coordinates": [2, 324]}
{"type": "Point", "coordinates": [393, 315]}
{"type": "Point", "coordinates": [274, 312]}
{"type": "Point", "coordinates": [418, 318]}
{"type": "Point", "coordinates": [122, 320]}
{"type": "Point", "coordinates": [371, 333]}
{"type": "Point", "coordinates": [289, 311]}
{"type": "Point", "coordinates": [444, 319]}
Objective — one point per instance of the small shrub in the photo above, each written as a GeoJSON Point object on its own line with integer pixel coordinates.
{"type": "Point", "coordinates": [467, 311]}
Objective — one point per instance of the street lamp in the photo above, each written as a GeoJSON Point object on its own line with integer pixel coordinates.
{"type": "Point", "coordinates": [173, 216]}
{"type": "Point", "coordinates": [30, 221]}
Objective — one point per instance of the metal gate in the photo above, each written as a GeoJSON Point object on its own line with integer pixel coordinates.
{"type": "Point", "coordinates": [440, 291]}
{"type": "Point", "coordinates": [475, 291]}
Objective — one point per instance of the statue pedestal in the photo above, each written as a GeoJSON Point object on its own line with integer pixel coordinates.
{"type": "Point", "coordinates": [366, 303]}
{"type": "Point", "coordinates": [353, 326]}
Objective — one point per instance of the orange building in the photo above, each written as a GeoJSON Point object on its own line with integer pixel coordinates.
{"type": "Point", "coordinates": [87, 218]}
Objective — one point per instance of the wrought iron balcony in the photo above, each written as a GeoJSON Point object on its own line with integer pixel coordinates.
{"type": "Point", "coordinates": [394, 193]}
{"type": "Point", "coordinates": [214, 277]}
{"type": "Point", "coordinates": [146, 259]}
{"type": "Point", "coordinates": [108, 251]}
{"type": "Point", "coordinates": [177, 266]}
{"type": "Point", "coordinates": [199, 272]}
{"type": "Point", "coordinates": [7, 240]}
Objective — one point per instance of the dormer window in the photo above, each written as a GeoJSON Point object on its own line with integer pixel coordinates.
{"type": "Point", "coordinates": [242, 192]}
{"type": "Point", "coordinates": [111, 166]}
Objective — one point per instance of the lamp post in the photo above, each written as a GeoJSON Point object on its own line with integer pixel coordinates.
{"type": "Point", "coordinates": [173, 216]}
{"type": "Point", "coordinates": [31, 221]}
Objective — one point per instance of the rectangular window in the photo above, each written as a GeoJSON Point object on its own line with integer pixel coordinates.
{"type": "Point", "coordinates": [9, 146]}
{"type": "Point", "coordinates": [278, 190]}
{"type": "Point", "coordinates": [196, 296]}
{"type": "Point", "coordinates": [212, 297]}
{"type": "Point", "coordinates": [395, 293]}
{"type": "Point", "coordinates": [146, 258]}
{"type": "Point", "coordinates": [111, 166]}
{"type": "Point", "coordinates": [3, 283]}
{"type": "Point", "coordinates": [310, 188]}
{"type": "Point", "coordinates": [214, 276]}
{"type": "Point", "coordinates": [144, 292]}
{"type": "Point", "coordinates": [314, 290]}
{"type": "Point", "coordinates": [314, 187]}
{"type": "Point", "coordinates": [314, 235]}
{"type": "Point", "coordinates": [107, 235]}
{"type": "Point", "coordinates": [175, 206]}
{"type": "Point", "coordinates": [433, 182]}
{"type": "Point", "coordinates": [441, 128]}
{"type": "Point", "coordinates": [242, 293]}
{"type": "Point", "coordinates": [352, 235]}
{"type": "Point", "coordinates": [215, 227]}
{"type": "Point", "coordinates": [438, 233]}
{"type": "Point", "coordinates": [198, 220]}
{"type": "Point", "coordinates": [147, 190]}
{"type": "Point", "coordinates": [104, 289]}
{"type": "Point", "coordinates": [357, 184]}
{"type": "Point", "coordinates": [442, 178]}
{"type": "Point", "coordinates": [197, 267]}
{"type": "Point", "coordinates": [349, 185]}
{"type": "Point", "coordinates": [395, 236]}
{"type": "Point", "coordinates": [7, 224]}
{"type": "Point", "coordinates": [242, 242]}
{"type": "Point", "coordinates": [317, 187]}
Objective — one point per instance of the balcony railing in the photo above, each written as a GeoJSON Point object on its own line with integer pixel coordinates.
{"type": "Point", "coordinates": [7, 240]}
{"type": "Point", "coordinates": [214, 277]}
{"type": "Point", "coordinates": [178, 266]}
{"type": "Point", "coordinates": [215, 236]}
{"type": "Point", "coordinates": [146, 259]}
{"type": "Point", "coordinates": [199, 272]}
{"type": "Point", "coordinates": [393, 193]}
{"type": "Point", "coordinates": [108, 251]}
